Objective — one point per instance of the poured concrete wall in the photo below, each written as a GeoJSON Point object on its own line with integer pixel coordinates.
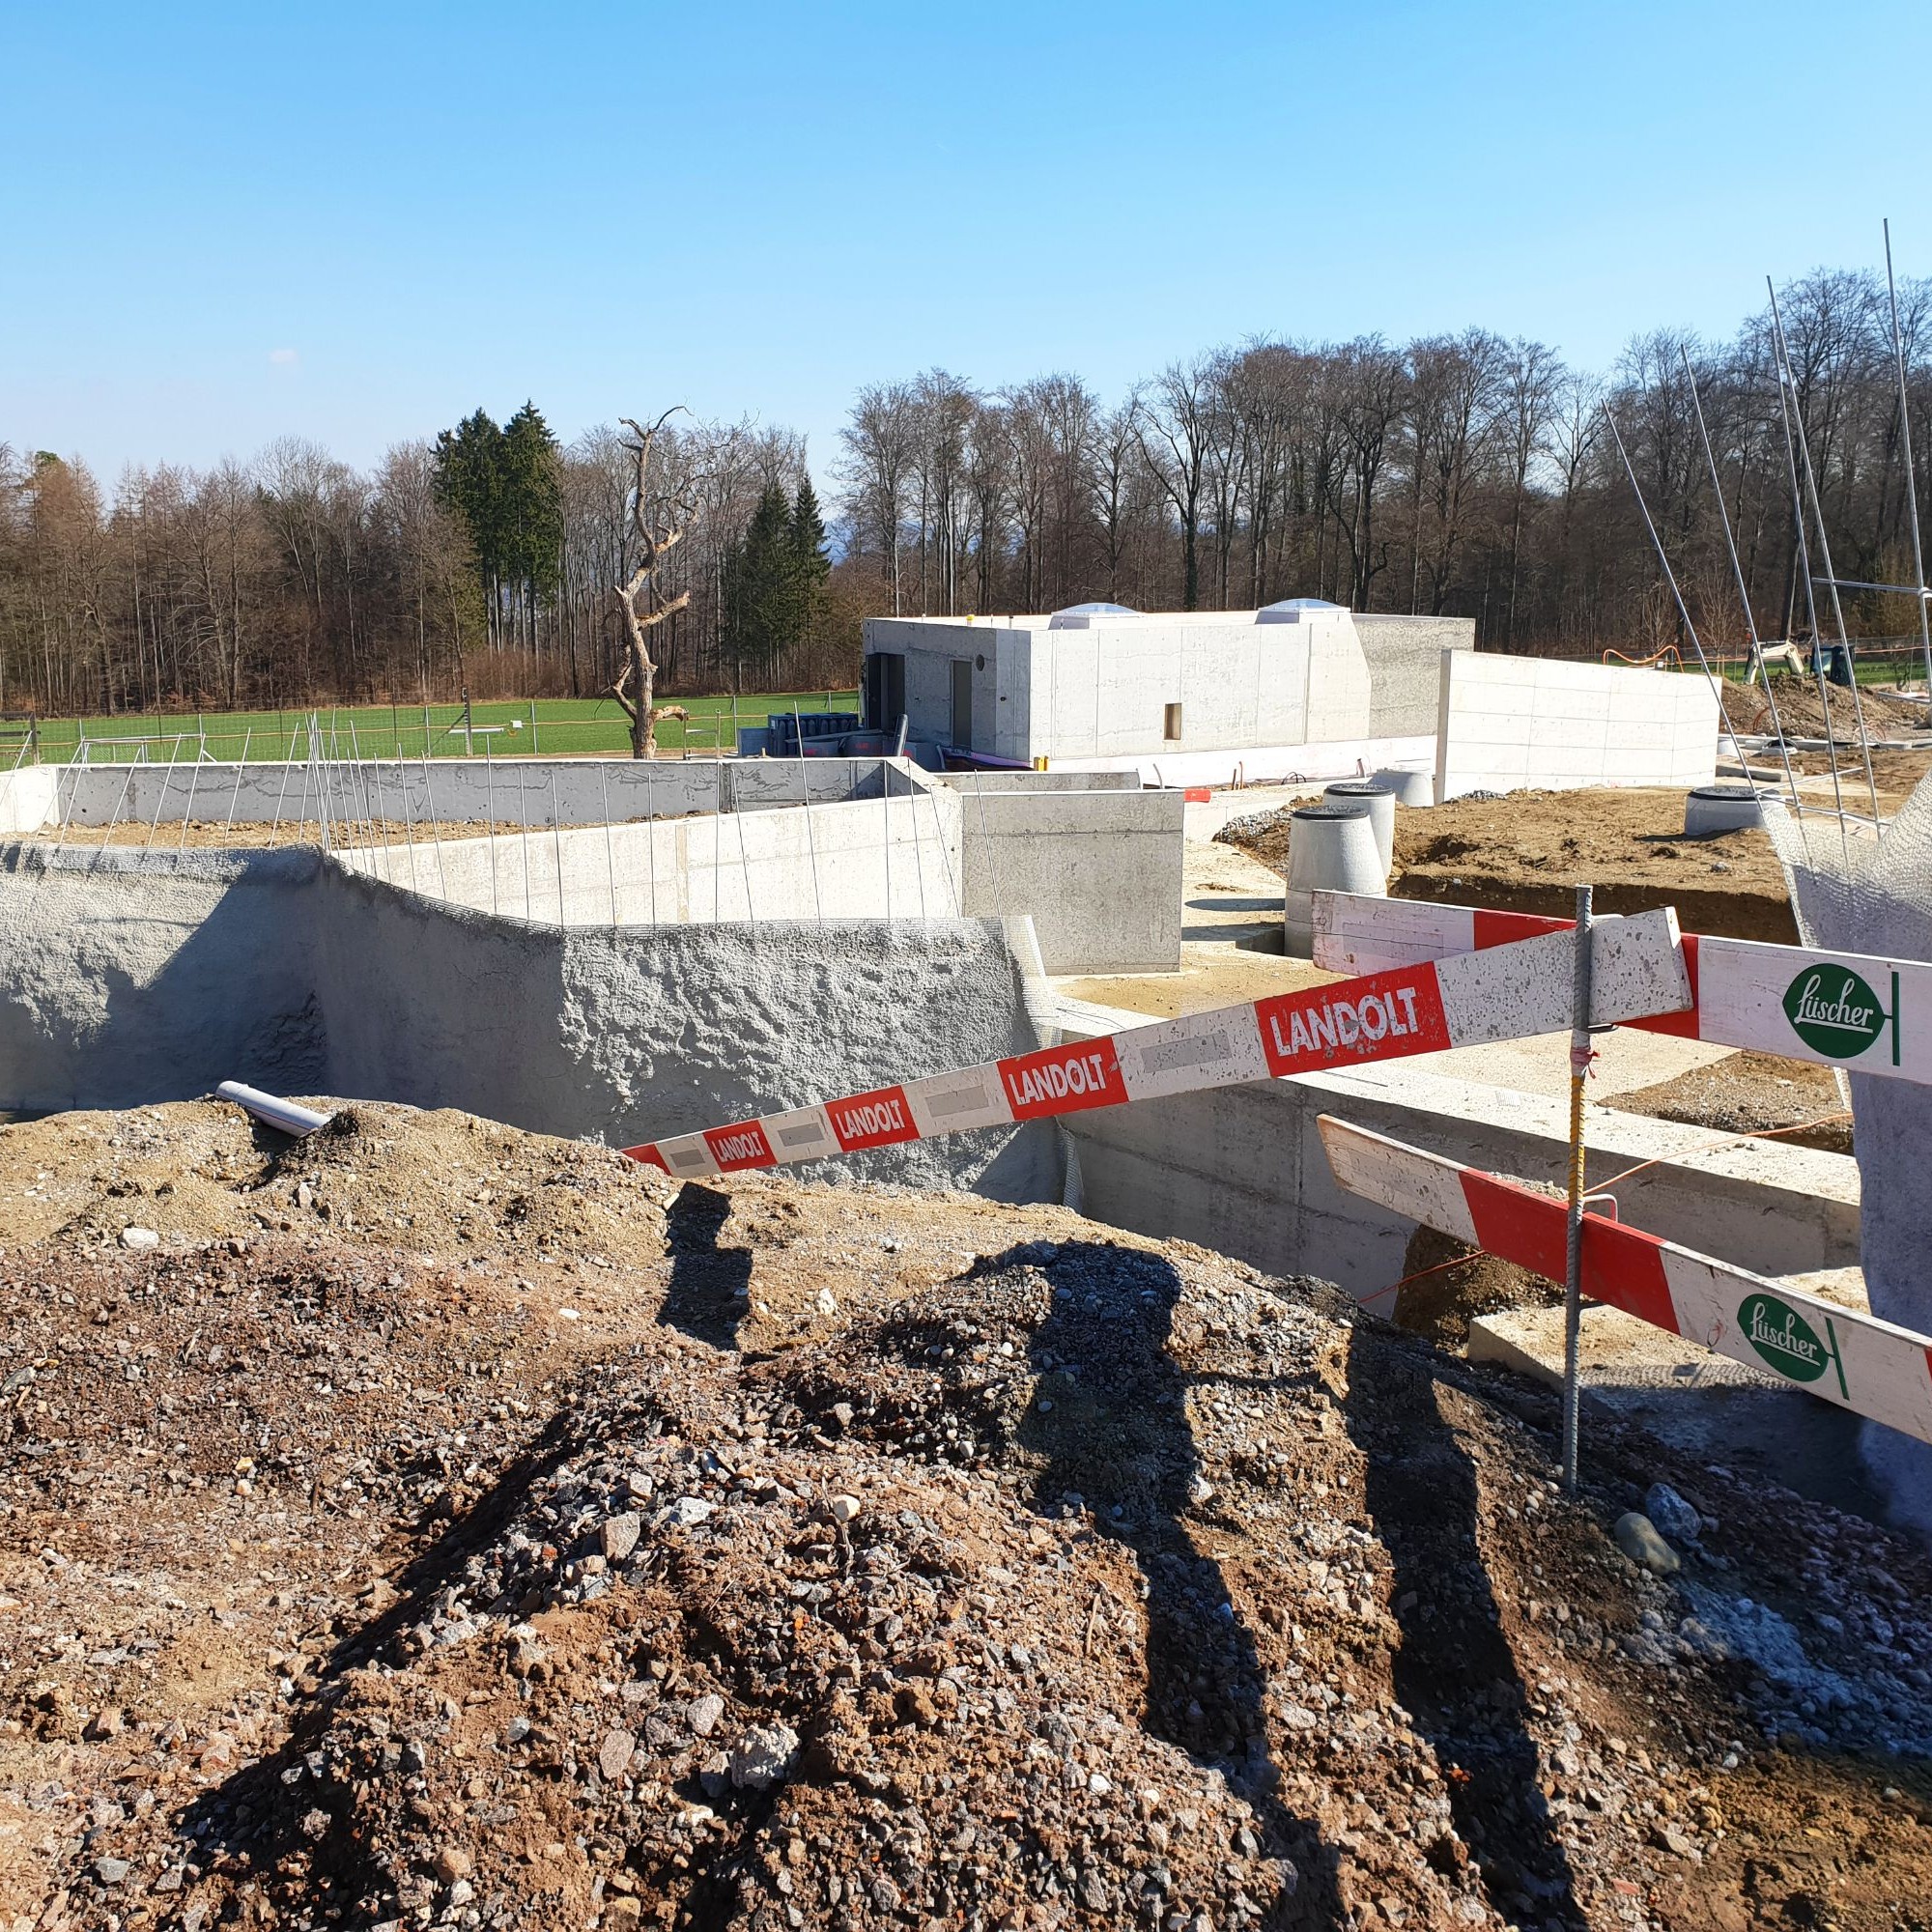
{"type": "Point", "coordinates": [1240, 1169]}
{"type": "Point", "coordinates": [124, 982]}
{"type": "Point", "coordinates": [1505, 723]}
{"type": "Point", "coordinates": [893, 857]}
{"type": "Point", "coordinates": [1099, 871]}
{"type": "Point", "coordinates": [1405, 656]}
{"type": "Point", "coordinates": [534, 791]}
{"type": "Point", "coordinates": [1100, 689]}
{"type": "Point", "coordinates": [27, 798]}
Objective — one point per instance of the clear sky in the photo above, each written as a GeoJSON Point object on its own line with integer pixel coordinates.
{"type": "Point", "coordinates": [221, 223]}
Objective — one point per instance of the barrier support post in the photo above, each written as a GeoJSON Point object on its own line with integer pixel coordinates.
{"type": "Point", "coordinates": [1573, 1284]}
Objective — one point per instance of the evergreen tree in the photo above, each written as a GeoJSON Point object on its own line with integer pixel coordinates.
{"type": "Point", "coordinates": [808, 535]}
{"type": "Point", "coordinates": [763, 584]}
{"type": "Point", "coordinates": [533, 505]}
{"type": "Point", "coordinates": [470, 477]}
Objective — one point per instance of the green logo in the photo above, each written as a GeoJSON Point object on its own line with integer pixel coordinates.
{"type": "Point", "coordinates": [1834, 1012]}
{"type": "Point", "coordinates": [1783, 1338]}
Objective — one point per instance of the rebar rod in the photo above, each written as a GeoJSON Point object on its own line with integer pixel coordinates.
{"type": "Point", "coordinates": [1743, 594]}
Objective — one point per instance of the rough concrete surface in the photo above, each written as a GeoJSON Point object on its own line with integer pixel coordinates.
{"type": "Point", "coordinates": [122, 982]}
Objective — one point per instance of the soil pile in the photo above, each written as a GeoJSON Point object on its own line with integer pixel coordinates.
{"type": "Point", "coordinates": [1887, 714]}
{"type": "Point", "coordinates": [1529, 850]}
{"type": "Point", "coordinates": [430, 1524]}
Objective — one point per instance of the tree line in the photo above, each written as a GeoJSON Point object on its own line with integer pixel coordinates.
{"type": "Point", "coordinates": [1471, 474]}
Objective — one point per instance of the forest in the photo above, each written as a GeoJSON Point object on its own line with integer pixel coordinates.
{"type": "Point", "coordinates": [1474, 474]}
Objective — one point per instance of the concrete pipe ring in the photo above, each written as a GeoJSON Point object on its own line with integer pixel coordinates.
{"type": "Point", "coordinates": [1413, 788]}
{"type": "Point", "coordinates": [1331, 847]}
{"type": "Point", "coordinates": [1723, 807]}
{"type": "Point", "coordinates": [1380, 802]}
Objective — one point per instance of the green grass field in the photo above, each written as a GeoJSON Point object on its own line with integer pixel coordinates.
{"type": "Point", "coordinates": [550, 726]}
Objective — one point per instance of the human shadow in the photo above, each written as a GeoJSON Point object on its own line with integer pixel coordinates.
{"type": "Point", "coordinates": [1110, 1424]}
{"type": "Point", "coordinates": [1455, 1672]}
{"type": "Point", "coordinates": [709, 1291]}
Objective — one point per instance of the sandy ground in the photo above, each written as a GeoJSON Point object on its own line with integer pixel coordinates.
{"type": "Point", "coordinates": [436, 1523]}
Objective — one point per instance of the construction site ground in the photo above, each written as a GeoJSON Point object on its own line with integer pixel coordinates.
{"type": "Point", "coordinates": [433, 1524]}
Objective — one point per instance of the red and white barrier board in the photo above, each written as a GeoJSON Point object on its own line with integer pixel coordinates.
{"type": "Point", "coordinates": [1854, 1360]}
{"type": "Point", "coordinates": [1504, 993]}
{"type": "Point", "coordinates": [1849, 1009]}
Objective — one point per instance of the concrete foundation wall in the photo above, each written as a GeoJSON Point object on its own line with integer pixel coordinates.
{"type": "Point", "coordinates": [1404, 658]}
{"type": "Point", "coordinates": [1505, 723]}
{"type": "Point", "coordinates": [1099, 871]}
{"type": "Point", "coordinates": [890, 857]}
{"type": "Point", "coordinates": [1240, 1169]}
{"type": "Point", "coordinates": [537, 791]}
{"type": "Point", "coordinates": [122, 982]}
{"type": "Point", "coordinates": [27, 798]}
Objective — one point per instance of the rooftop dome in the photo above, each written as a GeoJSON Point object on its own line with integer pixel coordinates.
{"type": "Point", "coordinates": [1291, 609]}
{"type": "Point", "coordinates": [1077, 617]}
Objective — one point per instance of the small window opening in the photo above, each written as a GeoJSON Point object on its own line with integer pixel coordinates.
{"type": "Point", "coordinates": [1171, 728]}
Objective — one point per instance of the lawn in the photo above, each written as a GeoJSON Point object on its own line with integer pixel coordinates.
{"type": "Point", "coordinates": [550, 726]}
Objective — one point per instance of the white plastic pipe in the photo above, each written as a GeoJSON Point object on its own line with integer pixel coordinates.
{"type": "Point", "coordinates": [283, 1115]}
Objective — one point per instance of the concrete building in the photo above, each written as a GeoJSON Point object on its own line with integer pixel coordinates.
{"type": "Point", "coordinates": [1191, 698]}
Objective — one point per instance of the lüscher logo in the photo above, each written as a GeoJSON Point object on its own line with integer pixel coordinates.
{"type": "Point", "coordinates": [1783, 1338]}
{"type": "Point", "coordinates": [1836, 1014]}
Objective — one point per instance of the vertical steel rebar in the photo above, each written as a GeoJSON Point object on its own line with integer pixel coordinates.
{"type": "Point", "coordinates": [805, 799]}
{"type": "Point", "coordinates": [1743, 595]}
{"type": "Point", "coordinates": [1573, 1282]}
{"type": "Point", "coordinates": [1831, 577]}
{"type": "Point", "coordinates": [1911, 482]}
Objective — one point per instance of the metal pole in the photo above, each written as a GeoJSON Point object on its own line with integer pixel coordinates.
{"type": "Point", "coordinates": [1670, 577]}
{"type": "Point", "coordinates": [1825, 557]}
{"type": "Point", "coordinates": [805, 799]}
{"type": "Point", "coordinates": [1573, 1285]}
{"type": "Point", "coordinates": [1803, 542]}
{"type": "Point", "coordinates": [609, 861]}
{"type": "Point", "coordinates": [1743, 595]}
{"type": "Point", "coordinates": [1911, 482]}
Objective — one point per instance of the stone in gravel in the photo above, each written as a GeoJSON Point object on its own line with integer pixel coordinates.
{"type": "Point", "coordinates": [691, 1511]}
{"type": "Point", "coordinates": [613, 1755]}
{"type": "Point", "coordinates": [139, 1237]}
{"type": "Point", "coordinates": [1671, 1514]}
{"type": "Point", "coordinates": [624, 1911]}
{"type": "Point", "coordinates": [1638, 1539]}
{"type": "Point", "coordinates": [104, 1723]}
{"type": "Point", "coordinates": [111, 1871]}
{"type": "Point", "coordinates": [315, 1824]}
{"type": "Point", "coordinates": [763, 1758]}
{"type": "Point", "coordinates": [620, 1535]}
{"type": "Point", "coordinates": [705, 1712]}
{"type": "Point", "coordinates": [844, 1508]}
{"type": "Point", "coordinates": [453, 1863]}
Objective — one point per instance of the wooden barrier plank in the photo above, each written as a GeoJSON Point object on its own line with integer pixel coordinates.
{"type": "Point", "coordinates": [1834, 1009]}
{"type": "Point", "coordinates": [1853, 1360]}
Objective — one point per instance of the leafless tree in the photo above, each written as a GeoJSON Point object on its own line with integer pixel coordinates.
{"type": "Point", "coordinates": [635, 684]}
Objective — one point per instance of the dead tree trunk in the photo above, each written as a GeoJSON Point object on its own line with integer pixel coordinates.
{"type": "Point", "coordinates": [636, 682]}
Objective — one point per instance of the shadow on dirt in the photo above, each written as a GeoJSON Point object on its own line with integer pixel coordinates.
{"type": "Point", "coordinates": [1455, 1672]}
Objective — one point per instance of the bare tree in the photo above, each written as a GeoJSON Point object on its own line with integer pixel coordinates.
{"type": "Point", "coordinates": [1176, 428]}
{"type": "Point", "coordinates": [653, 546]}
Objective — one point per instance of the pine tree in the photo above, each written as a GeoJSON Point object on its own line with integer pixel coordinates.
{"type": "Point", "coordinates": [533, 502]}
{"type": "Point", "coordinates": [762, 582]}
{"type": "Point", "coordinates": [470, 476]}
{"type": "Point", "coordinates": [808, 535]}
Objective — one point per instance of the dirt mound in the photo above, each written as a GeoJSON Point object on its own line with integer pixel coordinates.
{"type": "Point", "coordinates": [1529, 850]}
{"type": "Point", "coordinates": [1887, 714]}
{"type": "Point", "coordinates": [1752, 1094]}
{"type": "Point", "coordinates": [769, 1556]}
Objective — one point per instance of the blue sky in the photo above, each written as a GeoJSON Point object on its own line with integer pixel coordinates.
{"type": "Point", "coordinates": [222, 224]}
